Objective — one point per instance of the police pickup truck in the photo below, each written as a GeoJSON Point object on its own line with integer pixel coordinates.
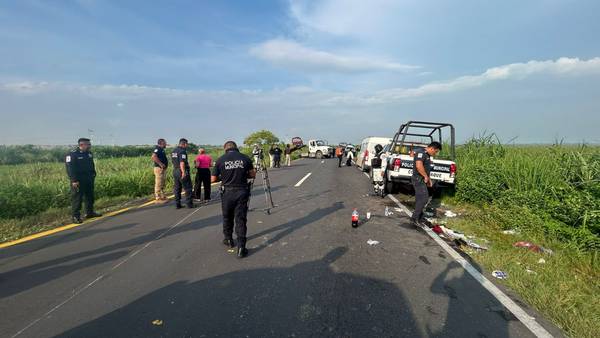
{"type": "Point", "coordinates": [398, 156]}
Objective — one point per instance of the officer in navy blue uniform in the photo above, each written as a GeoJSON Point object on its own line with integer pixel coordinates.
{"type": "Point", "coordinates": [82, 172]}
{"type": "Point", "coordinates": [233, 170]}
{"type": "Point", "coordinates": [181, 174]}
{"type": "Point", "coordinates": [421, 180]}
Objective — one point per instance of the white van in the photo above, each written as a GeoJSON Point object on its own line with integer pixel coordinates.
{"type": "Point", "coordinates": [367, 150]}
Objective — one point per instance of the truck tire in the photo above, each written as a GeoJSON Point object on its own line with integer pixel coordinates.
{"type": "Point", "coordinates": [319, 155]}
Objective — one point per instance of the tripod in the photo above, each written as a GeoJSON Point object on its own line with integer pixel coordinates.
{"type": "Point", "coordinates": [264, 173]}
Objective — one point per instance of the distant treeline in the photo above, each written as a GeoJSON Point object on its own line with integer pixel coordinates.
{"type": "Point", "coordinates": [32, 154]}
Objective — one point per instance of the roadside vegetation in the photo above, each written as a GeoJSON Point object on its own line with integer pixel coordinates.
{"type": "Point", "coordinates": [548, 195]}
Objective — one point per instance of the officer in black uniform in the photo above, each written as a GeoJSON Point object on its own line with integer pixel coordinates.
{"type": "Point", "coordinates": [181, 174]}
{"type": "Point", "coordinates": [82, 172]}
{"type": "Point", "coordinates": [233, 170]}
{"type": "Point", "coordinates": [421, 180]}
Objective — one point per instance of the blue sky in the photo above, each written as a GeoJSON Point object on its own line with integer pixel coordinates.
{"type": "Point", "coordinates": [340, 70]}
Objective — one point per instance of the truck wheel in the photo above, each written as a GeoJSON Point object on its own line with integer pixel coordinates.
{"type": "Point", "coordinates": [319, 155]}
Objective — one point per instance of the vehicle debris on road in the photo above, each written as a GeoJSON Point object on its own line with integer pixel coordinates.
{"type": "Point", "coordinates": [372, 242]}
{"type": "Point", "coordinates": [500, 274]}
{"type": "Point", "coordinates": [387, 212]}
{"type": "Point", "coordinates": [450, 214]}
{"type": "Point", "coordinates": [532, 247]}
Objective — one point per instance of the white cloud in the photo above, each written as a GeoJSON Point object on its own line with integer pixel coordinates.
{"type": "Point", "coordinates": [513, 71]}
{"type": "Point", "coordinates": [516, 71]}
{"type": "Point", "coordinates": [359, 18]}
{"type": "Point", "coordinates": [290, 54]}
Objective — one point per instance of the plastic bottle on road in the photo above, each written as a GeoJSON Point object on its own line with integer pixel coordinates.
{"type": "Point", "coordinates": [354, 218]}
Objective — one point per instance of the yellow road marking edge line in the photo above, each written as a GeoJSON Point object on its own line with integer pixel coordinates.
{"type": "Point", "coordinates": [74, 225]}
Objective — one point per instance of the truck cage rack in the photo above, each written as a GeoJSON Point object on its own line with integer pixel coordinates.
{"type": "Point", "coordinates": [426, 130]}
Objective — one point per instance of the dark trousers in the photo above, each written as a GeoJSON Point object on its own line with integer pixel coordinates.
{"type": "Point", "coordinates": [179, 183]}
{"type": "Point", "coordinates": [277, 161]}
{"type": "Point", "coordinates": [202, 179]}
{"type": "Point", "coordinates": [421, 198]}
{"type": "Point", "coordinates": [234, 203]}
{"type": "Point", "coordinates": [340, 161]}
{"type": "Point", "coordinates": [84, 191]}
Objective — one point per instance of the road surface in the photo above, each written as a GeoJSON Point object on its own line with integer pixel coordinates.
{"type": "Point", "coordinates": [161, 272]}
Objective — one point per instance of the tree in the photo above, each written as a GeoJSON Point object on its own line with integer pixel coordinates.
{"type": "Point", "coordinates": [261, 137]}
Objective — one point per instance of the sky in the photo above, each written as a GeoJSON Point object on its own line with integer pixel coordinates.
{"type": "Point", "coordinates": [129, 72]}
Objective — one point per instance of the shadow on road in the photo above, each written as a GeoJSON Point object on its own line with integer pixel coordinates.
{"type": "Point", "coordinates": [22, 279]}
{"type": "Point", "coordinates": [288, 228]}
{"type": "Point", "coordinates": [308, 299]}
{"type": "Point", "coordinates": [466, 298]}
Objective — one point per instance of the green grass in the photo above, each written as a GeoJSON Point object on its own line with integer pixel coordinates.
{"type": "Point", "coordinates": [551, 194]}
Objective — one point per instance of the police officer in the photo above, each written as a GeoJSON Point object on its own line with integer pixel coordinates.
{"type": "Point", "coordinates": [233, 170]}
{"type": "Point", "coordinates": [421, 180]}
{"type": "Point", "coordinates": [82, 172]}
{"type": "Point", "coordinates": [160, 169]}
{"type": "Point", "coordinates": [181, 174]}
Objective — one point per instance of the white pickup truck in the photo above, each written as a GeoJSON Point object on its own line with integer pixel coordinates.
{"type": "Point", "coordinates": [397, 157]}
{"type": "Point", "coordinates": [318, 149]}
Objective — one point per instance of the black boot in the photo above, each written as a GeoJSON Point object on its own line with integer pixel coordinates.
{"type": "Point", "coordinates": [93, 215]}
{"type": "Point", "coordinates": [178, 206]}
{"type": "Point", "coordinates": [77, 220]}
{"type": "Point", "coordinates": [242, 252]}
{"type": "Point", "coordinates": [229, 243]}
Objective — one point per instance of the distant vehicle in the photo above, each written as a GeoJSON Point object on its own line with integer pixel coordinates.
{"type": "Point", "coordinates": [367, 151]}
{"type": "Point", "coordinates": [318, 149]}
{"type": "Point", "coordinates": [398, 156]}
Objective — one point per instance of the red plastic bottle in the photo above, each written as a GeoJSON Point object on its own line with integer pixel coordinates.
{"type": "Point", "coordinates": [354, 218]}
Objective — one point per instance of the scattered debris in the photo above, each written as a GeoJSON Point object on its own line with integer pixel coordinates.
{"type": "Point", "coordinates": [476, 246]}
{"type": "Point", "coordinates": [259, 222]}
{"type": "Point", "coordinates": [387, 212]}
{"type": "Point", "coordinates": [499, 274]}
{"type": "Point", "coordinates": [510, 232]}
{"type": "Point", "coordinates": [532, 247]}
{"type": "Point", "coordinates": [449, 214]}
{"type": "Point", "coordinates": [398, 210]}
{"type": "Point", "coordinates": [157, 322]}
{"type": "Point", "coordinates": [542, 261]}
{"type": "Point", "coordinates": [428, 214]}
{"type": "Point", "coordinates": [458, 238]}
{"type": "Point", "coordinates": [372, 242]}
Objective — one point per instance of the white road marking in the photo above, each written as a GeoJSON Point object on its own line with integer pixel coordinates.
{"type": "Point", "coordinates": [302, 180]}
{"type": "Point", "coordinates": [102, 276]}
{"type": "Point", "coordinates": [526, 319]}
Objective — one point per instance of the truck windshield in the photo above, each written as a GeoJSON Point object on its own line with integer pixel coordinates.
{"type": "Point", "coordinates": [320, 143]}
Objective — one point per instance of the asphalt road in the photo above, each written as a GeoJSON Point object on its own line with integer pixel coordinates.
{"type": "Point", "coordinates": [309, 273]}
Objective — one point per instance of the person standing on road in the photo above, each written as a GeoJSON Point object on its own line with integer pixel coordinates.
{"type": "Point", "coordinates": [339, 153]}
{"type": "Point", "coordinates": [82, 174]}
{"type": "Point", "coordinates": [160, 170]}
{"type": "Point", "coordinates": [421, 180]}
{"type": "Point", "coordinates": [271, 156]}
{"type": "Point", "coordinates": [349, 157]}
{"type": "Point", "coordinates": [277, 156]}
{"type": "Point", "coordinates": [202, 164]}
{"type": "Point", "coordinates": [256, 155]}
{"type": "Point", "coordinates": [288, 155]}
{"type": "Point", "coordinates": [181, 174]}
{"type": "Point", "coordinates": [233, 170]}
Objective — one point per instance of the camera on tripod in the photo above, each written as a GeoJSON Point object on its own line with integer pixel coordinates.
{"type": "Point", "coordinates": [264, 173]}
